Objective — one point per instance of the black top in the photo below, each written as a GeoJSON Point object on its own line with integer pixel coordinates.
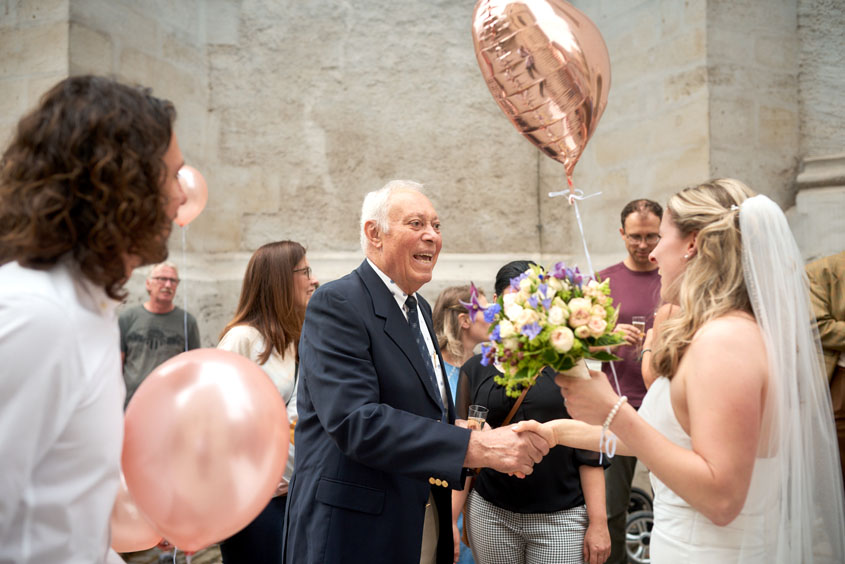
{"type": "Point", "coordinates": [555, 484]}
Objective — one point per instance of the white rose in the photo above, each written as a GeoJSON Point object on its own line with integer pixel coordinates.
{"type": "Point", "coordinates": [527, 317]}
{"type": "Point", "coordinates": [598, 311]}
{"type": "Point", "coordinates": [579, 312]}
{"type": "Point", "coordinates": [596, 326]}
{"type": "Point", "coordinates": [511, 343]}
{"type": "Point", "coordinates": [582, 332]}
{"type": "Point", "coordinates": [557, 315]}
{"type": "Point", "coordinates": [506, 329]}
{"type": "Point", "coordinates": [555, 284]}
{"type": "Point", "coordinates": [513, 311]}
{"type": "Point", "coordinates": [525, 285]}
{"type": "Point", "coordinates": [562, 339]}
{"type": "Point", "coordinates": [508, 299]}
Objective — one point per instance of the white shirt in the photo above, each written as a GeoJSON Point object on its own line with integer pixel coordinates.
{"type": "Point", "coordinates": [247, 341]}
{"type": "Point", "coordinates": [61, 416]}
{"type": "Point", "coordinates": [400, 297]}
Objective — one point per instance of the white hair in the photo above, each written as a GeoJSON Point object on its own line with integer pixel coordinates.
{"type": "Point", "coordinates": [376, 206]}
{"type": "Point", "coordinates": [155, 267]}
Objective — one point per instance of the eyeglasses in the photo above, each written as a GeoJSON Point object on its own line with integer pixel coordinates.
{"type": "Point", "coordinates": [165, 279]}
{"type": "Point", "coordinates": [306, 271]}
{"type": "Point", "coordinates": [650, 239]}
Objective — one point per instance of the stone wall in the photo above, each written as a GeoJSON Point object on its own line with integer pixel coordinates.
{"type": "Point", "coordinates": [294, 110]}
{"type": "Point", "coordinates": [33, 55]}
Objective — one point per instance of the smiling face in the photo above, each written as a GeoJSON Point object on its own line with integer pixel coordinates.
{"type": "Point", "coordinates": [640, 238]}
{"type": "Point", "coordinates": [304, 282]}
{"type": "Point", "coordinates": [408, 251]}
{"type": "Point", "coordinates": [669, 256]}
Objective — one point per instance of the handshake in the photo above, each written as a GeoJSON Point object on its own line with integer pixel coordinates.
{"type": "Point", "coordinates": [506, 449]}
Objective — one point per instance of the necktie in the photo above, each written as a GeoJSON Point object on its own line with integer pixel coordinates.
{"type": "Point", "coordinates": [413, 321]}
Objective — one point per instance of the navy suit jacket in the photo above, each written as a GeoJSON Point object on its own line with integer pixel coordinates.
{"type": "Point", "coordinates": [369, 444]}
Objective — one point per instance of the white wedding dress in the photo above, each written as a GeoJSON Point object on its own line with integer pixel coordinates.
{"type": "Point", "coordinates": [682, 534]}
{"type": "Point", "coordinates": [793, 511]}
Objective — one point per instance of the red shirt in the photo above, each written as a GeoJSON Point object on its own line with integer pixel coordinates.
{"type": "Point", "coordinates": [634, 293]}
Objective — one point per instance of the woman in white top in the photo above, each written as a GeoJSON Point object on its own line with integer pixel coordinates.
{"type": "Point", "coordinates": [277, 286]}
{"type": "Point", "coordinates": [737, 428]}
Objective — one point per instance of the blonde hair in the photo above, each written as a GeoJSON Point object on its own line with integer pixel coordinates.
{"type": "Point", "coordinates": [712, 284]}
{"type": "Point", "coordinates": [447, 325]}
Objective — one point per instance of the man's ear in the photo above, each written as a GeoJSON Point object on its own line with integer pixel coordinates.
{"type": "Point", "coordinates": [373, 234]}
{"type": "Point", "coordinates": [622, 232]}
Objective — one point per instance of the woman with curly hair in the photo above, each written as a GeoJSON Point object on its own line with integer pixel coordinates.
{"type": "Point", "coordinates": [737, 428]}
{"type": "Point", "coordinates": [277, 286]}
{"type": "Point", "coordinates": [88, 191]}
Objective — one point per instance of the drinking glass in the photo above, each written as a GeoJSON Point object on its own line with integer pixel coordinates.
{"type": "Point", "coordinates": [638, 321]}
{"type": "Point", "coordinates": [476, 417]}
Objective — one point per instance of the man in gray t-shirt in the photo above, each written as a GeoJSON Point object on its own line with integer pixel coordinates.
{"type": "Point", "coordinates": [155, 331]}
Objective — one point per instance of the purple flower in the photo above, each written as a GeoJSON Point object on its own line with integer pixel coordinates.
{"type": "Point", "coordinates": [491, 311]}
{"type": "Point", "coordinates": [473, 306]}
{"type": "Point", "coordinates": [531, 330]}
{"type": "Point", "coordinates": [547, 303]}
{"type": "Point", "coordinates": [533, 301]}
{"type": "Point", "coordinates": [559, 271]}
{"type": "Point", "coordinates": [515, 281]}
{"type": "Point", "coordinates": [494, 335]}
{"type": "Point", "coordinates": [486, 349]}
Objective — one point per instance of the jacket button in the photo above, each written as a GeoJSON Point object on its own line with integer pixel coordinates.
{"type": "Point", "coordinates": [445, 484]}
{"type": "Point", "coordinates": [431, 481]}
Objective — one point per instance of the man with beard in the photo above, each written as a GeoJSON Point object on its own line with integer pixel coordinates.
{"type": "Point", "coordinates": [88, 192]}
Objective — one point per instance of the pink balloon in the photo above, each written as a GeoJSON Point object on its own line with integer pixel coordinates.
{"type": "Point", "coordinates": [130, 530]}
{"type": "Point", "coordinates": [205, 446]}
{"type": "Point", "coordinates": [548, 68]}
{"type": "Point", "coordinates": [196, 195]}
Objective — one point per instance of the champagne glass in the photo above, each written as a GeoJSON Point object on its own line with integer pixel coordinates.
{"type": "Point", "coordinates": [638, 321]}
{"type": "Point", "coordinates": [476, 417]}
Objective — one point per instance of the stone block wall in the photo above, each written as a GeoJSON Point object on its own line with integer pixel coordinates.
{"type": "Point", "coordinates": [294, 110]}
{"type": "Point", "coordinates": [753, 69]}
{"type": "Point", "coordinates": [33, 55]}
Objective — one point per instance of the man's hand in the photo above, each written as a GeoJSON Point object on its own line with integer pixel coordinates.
{"type": "Point", "coordinates": [633, 336]}
{"type": "Point", "coordinates": [505, 451]}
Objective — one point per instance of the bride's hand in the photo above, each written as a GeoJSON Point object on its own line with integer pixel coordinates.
{"type": "Point", "coordinates": [588, 400]}
{"type": "Point", "coordinates": [545, 430]}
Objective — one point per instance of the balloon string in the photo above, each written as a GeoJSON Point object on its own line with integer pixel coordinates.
{"type": "Point", "coordinates": [573, 195]}
{"type": "Point", "coordinates": [184, 289]}
{"type": "Point", "coordinates": [607, 444]}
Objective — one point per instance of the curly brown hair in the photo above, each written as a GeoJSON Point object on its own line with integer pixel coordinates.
{"type": "Point", "coordinates": [83, 176]}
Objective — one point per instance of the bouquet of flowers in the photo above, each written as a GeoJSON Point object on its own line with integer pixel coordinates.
{"type": "Point", "coordinates": [550, 319]}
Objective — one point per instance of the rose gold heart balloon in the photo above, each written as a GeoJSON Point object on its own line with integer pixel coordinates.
{"type": "Point", "coordinates": [547, 66]}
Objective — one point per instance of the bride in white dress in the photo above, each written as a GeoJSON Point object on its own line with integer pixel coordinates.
{"type": "Point", "coordinates": [738, 430]}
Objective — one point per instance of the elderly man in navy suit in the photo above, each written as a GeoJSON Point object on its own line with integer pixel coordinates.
{"type": "Point", "coordinates": [377, 452]}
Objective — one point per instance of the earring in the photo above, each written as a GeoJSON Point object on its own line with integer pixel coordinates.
{"type": "Point", "coordinates": [686, 256]}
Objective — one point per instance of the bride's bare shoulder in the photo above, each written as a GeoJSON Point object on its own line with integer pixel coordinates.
{"type": "Point", "coordinates": [733, 331]}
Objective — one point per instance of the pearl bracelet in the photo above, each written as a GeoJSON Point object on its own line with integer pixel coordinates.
{"type": "Point", "coordinates": [613, 412]}
{"type": "Point", "coordinates": [607, 443]}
